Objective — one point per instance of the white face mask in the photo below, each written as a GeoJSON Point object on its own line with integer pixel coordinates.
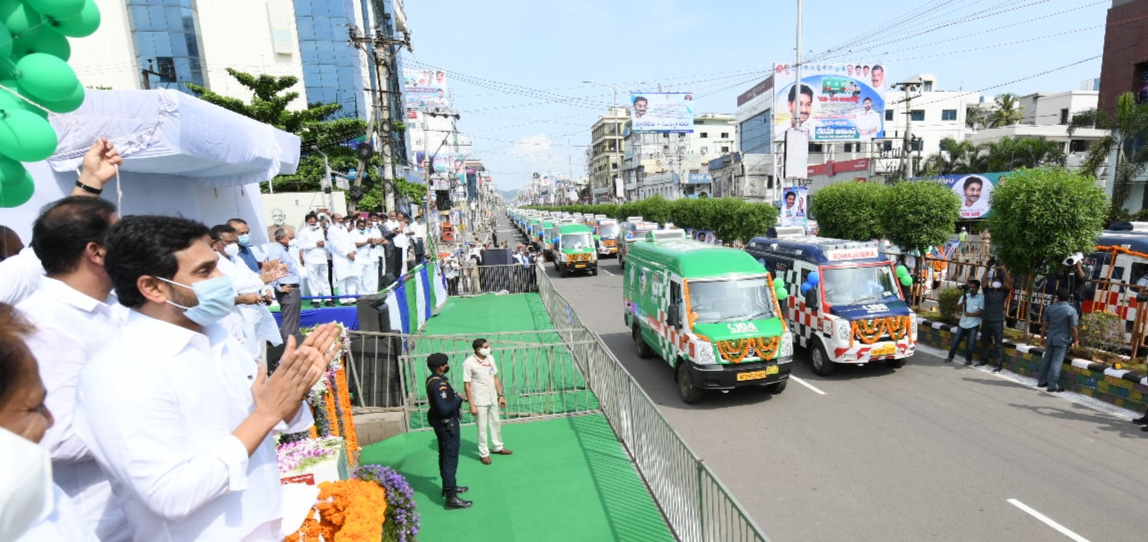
{"type": "Point", "coordinates": [484, 351]}
{"type": "Point", "coordinates": [231, 249]}
{"type": "Point", "coordinates": [997, 284]}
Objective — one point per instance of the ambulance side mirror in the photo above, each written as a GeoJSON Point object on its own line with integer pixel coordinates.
{"type": "Point", "coordinates": [674, 315]}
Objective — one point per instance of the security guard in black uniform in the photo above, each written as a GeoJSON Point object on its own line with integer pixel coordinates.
{"type": "Point", "coordinates": [443, 417]}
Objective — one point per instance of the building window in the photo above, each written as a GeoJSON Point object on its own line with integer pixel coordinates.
{"type": "Point", "coordinates": [888, 114]}
{"type": "Point", "coordinates": [1079, 145]}
{"type": "Point", "coordinates": [725, 135]}
{"type": "Point", "coordinates": [949, 114]}
{"type": "Point", "coordinates": [816, 147]}
{"type": "Point", "coordinates": [917, 144]}
{"type": "Point", "coordinates": [705, 135]}
{"type": "Point", "coordinates": [848, 147]}
{"type": "Point", "coordinates": [1064, 116]}
{"type": "Point", "coordinates": [917, 115]}
{"type": "Point", "coordinates": [928, 86]}
{"type": "Point", "coordinates": [725, 149]}
{"type": "Point", "coordinates": [887, 146]}
{"type": "Point", "coordinates": [666, 135]}
{"type": "Point", "coordinates": [756, 134]}
{"type": "Point", "coordinates": [705, 150]}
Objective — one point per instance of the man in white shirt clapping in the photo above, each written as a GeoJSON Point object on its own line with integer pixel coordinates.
{"type": "Point", "coordinates": [173, 409]}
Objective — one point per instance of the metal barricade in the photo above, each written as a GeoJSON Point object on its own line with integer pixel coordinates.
{"type": "Point", "coordinates": [696, 505]}
{"type": "Point", "coordinates": [471, 280]}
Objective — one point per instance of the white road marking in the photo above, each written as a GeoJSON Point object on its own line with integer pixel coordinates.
{"type": "Point", "coordinates": [1045, 520]}
{"type": "Point", "coordinates": [806, 384]}
{"type": "Point", "coordinates": [608, 273]}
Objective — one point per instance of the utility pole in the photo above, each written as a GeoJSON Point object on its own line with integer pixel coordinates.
{"type": "Point", "coordinates": [909, 87]}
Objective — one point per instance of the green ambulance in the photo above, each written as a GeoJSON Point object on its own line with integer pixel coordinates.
{"type": "Point", "coordinates": [572, 249]}
{"type": "Point", "coordinates": [711, 312]}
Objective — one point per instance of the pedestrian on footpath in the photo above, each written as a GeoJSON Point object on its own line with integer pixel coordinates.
{"type": "Point", "coordinates": [1058, 326]}
{"type": "Point", "coordinates": [997, 281]}
{"type": "Point", "coordinates": [443, 417]}
{"type": "Point", "coordinates": [972, 305]}
{"type": "Point", "coordinates": [484, 391]}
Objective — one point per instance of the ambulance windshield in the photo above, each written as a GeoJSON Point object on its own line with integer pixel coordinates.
{"type": "Point", "coordinates": [609, 231]}
{"type": "Point", "coordinates": [859, 285]}
{"type": "Point", "coordinates": [576, 241]}
{"type": "Point", "coordinates": [730, 300]}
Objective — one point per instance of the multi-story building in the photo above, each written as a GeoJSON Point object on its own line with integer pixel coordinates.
{"type": "Point", "coordinates": [606, 152]}
{"type": "Point", "coordinates": [1047, 115]}
{"type": "Point", "coordinates": [1124, 68]}
{"type": "Point", "coordinates": [675, 165]}
{"type": "Point", "coordinates": [748, 173]}
{"type": "Point", "coordinates": [169, 43]}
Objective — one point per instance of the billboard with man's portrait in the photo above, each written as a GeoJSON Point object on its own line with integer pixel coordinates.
{"type": "Point", "coordinates": [975, 191]}
{"type": "Point", "coordinates": [835, 102]}
{"type": "Point", "coordinates": [658, 112]}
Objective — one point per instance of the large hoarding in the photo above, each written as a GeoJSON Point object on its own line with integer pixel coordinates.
{"type": "Point", "coordinates": [836, 102]}
{"type": "Point", "coordinates": [425, 89]}
{"type": "Point", "coordinates": [975, 191]}
{"type": "Point", "coordinates": [662, 112]}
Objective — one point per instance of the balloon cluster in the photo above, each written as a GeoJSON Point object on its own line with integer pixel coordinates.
{"type": "Point", "coordinates": [904, 276]}
{"type": "Point", "coordinates": [810, 283]}
{"type": "Point", "coordinates": [34, 54]}
{"type": "Point", "coordinates": [779, 289]}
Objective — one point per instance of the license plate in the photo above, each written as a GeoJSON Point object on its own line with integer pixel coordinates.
{"type": "Point", "coordinates": [579, 265]}
{"type": "Point", "coordinates": [757, 375]}
{"type": "Point", "coordinates": [887, 349]}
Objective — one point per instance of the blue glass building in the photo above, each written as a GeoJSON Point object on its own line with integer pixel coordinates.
{"type": "Point", "coordinates": [166, 32]}
{"type": "Point", "coordinates": [331, 67]}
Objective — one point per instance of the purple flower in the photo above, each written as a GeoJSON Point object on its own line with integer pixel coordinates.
{"type": "Point", "coordinates": [402, 519]}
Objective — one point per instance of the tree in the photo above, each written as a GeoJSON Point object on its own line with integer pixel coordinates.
{"type": "Point", "coordinates": [849, 210]}
{"type": "Point", "coordinates": [1128, 124]}
{"type": "Point", "coordinates": [976, 116]}
{"type": "Point", "coordinates": [955, 157]}
{"type": "Point", "coordinates": [269, 101]}
{"type": "Point", "coordinates": [1007, 111]}
{"type": "Point", "coordinates": [1042, 215]}
{"type": "Point", "coordinates": [1011, 154]}
{"type": "Point", "coordinates": [917, 215]}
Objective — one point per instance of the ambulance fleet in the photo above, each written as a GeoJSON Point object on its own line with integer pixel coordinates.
{"type": "Point", "coordinates": [723, 318]}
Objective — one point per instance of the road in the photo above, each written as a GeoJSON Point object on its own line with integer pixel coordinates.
{"type": "Point", "coordinates": [931, 451]}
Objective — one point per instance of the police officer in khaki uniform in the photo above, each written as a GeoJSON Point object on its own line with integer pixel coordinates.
{"type": "Point", "coordinates": [443, 417]}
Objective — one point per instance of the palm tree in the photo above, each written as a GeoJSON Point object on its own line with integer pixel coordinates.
{"type": "Point", "coordinates": [1010, 154]}
{"type": "Point", "coordinates": [976, 116]}
{"type": "Point", "coordinates": [954, 158]}
{"type": "Point", "coordinates": [1128, 125]}
{"type": "Point", "coordinates": [1007, 111]}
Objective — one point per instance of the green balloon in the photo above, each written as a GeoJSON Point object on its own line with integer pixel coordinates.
{"type": "Point", "coordinates": [12, 172]}
{"type": "Point", "coordinates": [19, 17]}
{"type": "Point", "coordinates": [58, 9]}
{"type": "Point", "coordinates": [26, 137]}
{"type": "Point", "coordinates": [46, 77]}
{"type": "Point", "coordinates": [43, 40]}
{"type": "Point", "coordinates": [17, 194]}
{"type": "Point", "coordinates": [902, 271]}
{"type": "Point", "coordinates": [82, 25]}
{"type": "Point", "coordinates": [9, 101]}
{"type": "Point", "coordinates": [67, 105]}
{"type": "Point", "coordinates": [5, 41]}
{"type": "Point", "coordinates": [906, 281]}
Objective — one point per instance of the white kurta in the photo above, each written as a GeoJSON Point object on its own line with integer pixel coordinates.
{"type": "Point", "coordinates": [308, 241]}
{"type": "Point", "coordinates": [64, 522]}
{"type": "Point", "coordinates": [157, 408]}
{"type": "Point", "coordinates": [257, 324]}
{"type": "Point", "coordinates": [71, 328]}
{"type": "Point", "coordinates": [339, 243]}
{"type": "Point", "coordinates": [22, 274]}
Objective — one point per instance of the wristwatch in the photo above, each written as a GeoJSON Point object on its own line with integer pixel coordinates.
{"type": "Point", "coordinates": [88, 189]}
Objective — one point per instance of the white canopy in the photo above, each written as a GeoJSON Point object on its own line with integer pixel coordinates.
{"type": "Point", "coordinates": [182, 156]}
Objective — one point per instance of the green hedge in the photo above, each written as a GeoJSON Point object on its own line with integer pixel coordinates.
{"type": "Point", "coordinates": [729, 218]}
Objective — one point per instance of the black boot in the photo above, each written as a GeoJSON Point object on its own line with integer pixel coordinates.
{"type": "Point", "coordinates": [455, 503]}
{"type": "Point", "coordinates": [458, 490]}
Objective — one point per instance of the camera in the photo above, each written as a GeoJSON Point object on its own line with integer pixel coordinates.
{"type": "Point", "coordinates": [963, 287]}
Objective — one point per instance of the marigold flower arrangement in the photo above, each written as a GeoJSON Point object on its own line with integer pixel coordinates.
{"type": "Point", "coordinates": [402, 523]}
{"type": "Point", "coordinates": [348, 511]}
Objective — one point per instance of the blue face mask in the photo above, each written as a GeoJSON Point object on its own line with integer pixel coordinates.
{"type": "Point", "coordinates": [245, 240]}
{"type": "Point", "coordinates": [216, 300]}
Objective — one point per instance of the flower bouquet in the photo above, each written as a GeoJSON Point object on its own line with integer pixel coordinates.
{"type": "Point", "coordinates": [347, 511]}
{"type": "Point", "coordinates": [313, 461]}
{"type": "Point", "coordinates": [402, 523]}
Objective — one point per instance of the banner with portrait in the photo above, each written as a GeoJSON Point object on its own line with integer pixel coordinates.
{"type": "Point", "coordinates": [835, 102]}
{"type": "Point", "coordinates": [975, 191]}
{"type": "Point", "coordinates": [794, 205]}
{"type": "Point", "coordinates": [662, 112]}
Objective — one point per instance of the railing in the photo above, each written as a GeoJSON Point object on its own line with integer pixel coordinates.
{"type": "Point", "coordinates": [490, 279]}
{"type": "Point", "coordinates": [697, 507]}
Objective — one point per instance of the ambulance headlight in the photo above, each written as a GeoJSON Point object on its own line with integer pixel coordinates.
{"type": "Point", "coordinates": [786, 347]}
{"type": "Point", "coordinates": [705, 353]}
{"type": "Point", "coordinates": [841, 330]}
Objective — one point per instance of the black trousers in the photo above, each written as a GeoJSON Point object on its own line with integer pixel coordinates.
{"type": "Point", "coordinates": [447, 433]}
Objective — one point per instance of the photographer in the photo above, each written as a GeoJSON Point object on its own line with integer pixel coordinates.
{"type": "Point", "coordinates": [972, 305]}
{"type": "Point", "coordinates": [998, 282]}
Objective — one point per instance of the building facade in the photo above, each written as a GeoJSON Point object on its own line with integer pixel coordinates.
{"type": "Point", "coordinates": [607, 148]}
{"type": "Point", "coordinates": [1124, 67]}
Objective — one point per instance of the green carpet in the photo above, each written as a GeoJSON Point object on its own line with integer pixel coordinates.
{"type": "Point", "coordinates": [538, 380]}
{"type": "Point", "coordinates": [568, 479]}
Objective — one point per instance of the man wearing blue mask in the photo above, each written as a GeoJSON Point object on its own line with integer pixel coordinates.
{"type": "Point", "coordinates": [174, 410]}
{"type": "Point", "coordinates": [245, 253]}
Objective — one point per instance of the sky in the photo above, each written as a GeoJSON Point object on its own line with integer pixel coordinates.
{"type": "Point", "coordinates": [517, 67]}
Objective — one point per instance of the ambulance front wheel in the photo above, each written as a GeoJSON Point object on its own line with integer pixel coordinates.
{"type": "Point", "coordinates": [777, 387]}
{"type": "Point", "coordinates": [644, 350]}
{"type": "Point", "coordinates": [820, 360]}
{"type": "Point", "coordinates": [690, 393]}
{"type": "Point", "coordinates": [896, 363]}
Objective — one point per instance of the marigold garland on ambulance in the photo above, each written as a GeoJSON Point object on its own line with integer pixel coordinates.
{"type": "Point", "coordinates": [710, 312]}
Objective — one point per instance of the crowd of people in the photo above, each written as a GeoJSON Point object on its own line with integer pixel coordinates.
{"type": "Point", "coordinates": [133, 363]}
